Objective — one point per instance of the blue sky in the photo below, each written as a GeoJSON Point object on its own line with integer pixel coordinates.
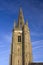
{"type": "Point", "coordinates": [33, 12]}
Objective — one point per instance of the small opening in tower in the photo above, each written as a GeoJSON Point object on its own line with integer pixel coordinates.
{"type": "Point", "coordinates": [19, 38]}
{"type": "Point", "coordinates": [18, 62]}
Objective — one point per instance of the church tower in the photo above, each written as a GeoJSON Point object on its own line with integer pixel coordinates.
{"type": "Point", "coordinates": [21, 49]}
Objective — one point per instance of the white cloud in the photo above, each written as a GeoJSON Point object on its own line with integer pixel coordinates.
{"type": "Point", "coordinates": [37, 48]}
{"type": "Point", "coordinates": [5, 41]}
{"type": "Point", "coordinates": [38, 43]}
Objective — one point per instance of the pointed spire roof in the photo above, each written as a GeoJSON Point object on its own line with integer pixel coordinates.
{"type": "Point", "coordinates": [27, 22]}
{"type": "Point", "coordinates": [20, 18]}
{"type": "Point", "coordinates": [14, 24]}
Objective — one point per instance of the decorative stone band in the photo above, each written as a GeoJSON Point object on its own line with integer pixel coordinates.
{"type": "Point", "coordinates": [18, 31]}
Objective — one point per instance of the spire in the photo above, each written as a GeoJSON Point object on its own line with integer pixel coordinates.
{"type": "Point", "coordinates": [27, 22]}
{"type": "Point", "coordinates": [20, 18]}
{"type": "Point", "coordinates": [14, 24]}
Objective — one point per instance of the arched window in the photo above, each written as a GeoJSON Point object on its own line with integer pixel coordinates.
{"type": "Point", "coordinates": [19, 38]}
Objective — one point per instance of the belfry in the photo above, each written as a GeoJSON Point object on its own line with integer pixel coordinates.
{"type": "Point", "coordinates": [21, 48]}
